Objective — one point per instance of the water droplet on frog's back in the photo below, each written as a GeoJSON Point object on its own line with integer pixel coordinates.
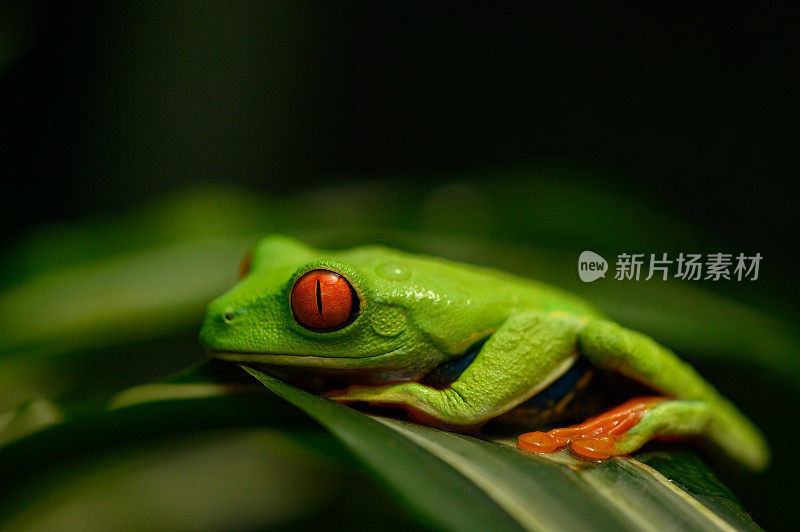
{"type": "Point", "coordinates": [393, 271]}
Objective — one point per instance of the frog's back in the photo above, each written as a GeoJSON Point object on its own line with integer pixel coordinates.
{"type": "Point", "coordinates": [465, 283]}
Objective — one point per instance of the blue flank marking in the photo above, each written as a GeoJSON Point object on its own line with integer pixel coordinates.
{"type": "Point", "coordinates": [560, 388]}
{"type": "Point", "coordinates": [448, 372]}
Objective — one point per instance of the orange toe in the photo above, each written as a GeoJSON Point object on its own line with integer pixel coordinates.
{"type": "Point", "coordinates": [541, 442]}
{"type": "Point", "coordinates": [595, 438]}
{"type": "Point", "coordinates": [595, 448]}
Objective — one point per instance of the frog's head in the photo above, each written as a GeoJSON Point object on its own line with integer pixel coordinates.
{"type": "Point", "coordinates": [304, 311]}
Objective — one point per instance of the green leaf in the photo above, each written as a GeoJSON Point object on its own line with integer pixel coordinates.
{"type": "Point", "coordinates": [689, 473]}
{"type": "Point", "coordinates": [537, 492]}
{"type": "Point", "coordinates": [436, 491]}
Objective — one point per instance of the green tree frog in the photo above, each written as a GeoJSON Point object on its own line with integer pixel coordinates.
{"type": "Point", "coordinates": [457, 345]}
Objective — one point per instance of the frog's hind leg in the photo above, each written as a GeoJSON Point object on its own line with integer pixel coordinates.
{"type": "Point", "coordinates": [623, 429]}
{"type": "Point", "coordinates": [697, 407]}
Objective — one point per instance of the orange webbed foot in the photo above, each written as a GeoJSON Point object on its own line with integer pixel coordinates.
{"type": "Point", "coordinates": [595, 438]}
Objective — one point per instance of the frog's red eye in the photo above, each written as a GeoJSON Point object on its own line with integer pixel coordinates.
{"type": "Point", "coordinates": [245, 265]}
{"type": "Point", "coordinates": [323, 300]}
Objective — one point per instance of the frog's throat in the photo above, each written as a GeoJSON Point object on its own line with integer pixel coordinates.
{"type": "Point", "coordinates": [314, 361]}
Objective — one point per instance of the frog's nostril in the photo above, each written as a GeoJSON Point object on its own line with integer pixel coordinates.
{"type": "Point", "coordinates": [227, 315]}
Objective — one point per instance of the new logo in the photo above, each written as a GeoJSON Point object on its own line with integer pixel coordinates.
{"type": "Point", "coordinates": [591, 266]}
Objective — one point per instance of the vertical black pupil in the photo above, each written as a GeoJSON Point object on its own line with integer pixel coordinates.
{"type": "Point", "coordinates": [319, 299]}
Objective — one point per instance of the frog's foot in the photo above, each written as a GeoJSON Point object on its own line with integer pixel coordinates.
{"type": "Point", "coordinates": [599, 437]}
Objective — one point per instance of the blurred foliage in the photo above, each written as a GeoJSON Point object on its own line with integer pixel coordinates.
{"type": "Point", "coordinates": [118, 302]}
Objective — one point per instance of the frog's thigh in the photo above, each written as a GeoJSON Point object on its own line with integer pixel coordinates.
{"type": "Point", "coordinates": [524, 355]}
{"type": "Point", "coordinates": [609, 345]}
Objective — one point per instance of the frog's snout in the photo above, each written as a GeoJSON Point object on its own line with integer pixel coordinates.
{"type": "Point", "coordinates": [217, 323]}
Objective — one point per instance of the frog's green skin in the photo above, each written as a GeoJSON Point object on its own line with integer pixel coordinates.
{"type": "Point", "coordinates": [418, 312]}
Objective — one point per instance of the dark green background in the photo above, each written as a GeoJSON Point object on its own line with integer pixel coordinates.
{"type": "Point", "coordinates": [108, 104]}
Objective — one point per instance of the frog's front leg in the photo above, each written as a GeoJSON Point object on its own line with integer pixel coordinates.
{"type": "Point", "coordinates": [522, 357]}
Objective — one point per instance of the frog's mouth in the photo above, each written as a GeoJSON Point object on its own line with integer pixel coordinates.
{"type": "Point", "coordinates": [325, 372]}
{"type": "Point", "coordinates": [304, 360]}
